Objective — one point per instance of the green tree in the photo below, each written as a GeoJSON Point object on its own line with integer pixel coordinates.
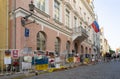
{"type": "Point", "coordinates": [111, 51]}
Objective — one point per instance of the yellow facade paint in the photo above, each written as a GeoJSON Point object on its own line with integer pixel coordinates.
{"type": "Point", "coordinates": [3, 24]}
{"type": "Point", "coordinates": [3, 30]}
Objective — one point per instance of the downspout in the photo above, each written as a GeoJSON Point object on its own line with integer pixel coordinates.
{"type": "Point", "coordinates": [7, 21]}
{"type": "Point", "coordinates": [14, 25]}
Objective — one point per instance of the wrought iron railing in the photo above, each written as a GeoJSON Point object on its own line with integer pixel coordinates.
{"type": "Point", "coordinates": [79, 29]}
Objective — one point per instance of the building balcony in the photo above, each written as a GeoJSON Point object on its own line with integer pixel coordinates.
{"type": "Point", "coordinates": [79, 33]}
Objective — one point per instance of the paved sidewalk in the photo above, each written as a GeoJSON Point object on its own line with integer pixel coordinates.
{"type": "Point", "coordinates": [20, 75]}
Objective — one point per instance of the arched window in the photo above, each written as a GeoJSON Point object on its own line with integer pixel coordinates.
{"type": "Point", "coordinates": [68, 47]}
{"type": "Point", "coordinates": [82, 50]}
{"type": "Point", "coordinates": [90, 50]}
{"type": "Point", "coordinates": [57, 46]}
{"type": "Point", "coordinates": [86, 50]}
{"type": "Point", "coordinates": [41, 41]}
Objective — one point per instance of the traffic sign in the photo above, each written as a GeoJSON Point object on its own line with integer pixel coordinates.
{"type": "Point", "coordinates": [26, 32]}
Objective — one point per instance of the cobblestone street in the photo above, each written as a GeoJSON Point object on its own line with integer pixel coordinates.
{"type": "Point", "coordinates": [110, 70]}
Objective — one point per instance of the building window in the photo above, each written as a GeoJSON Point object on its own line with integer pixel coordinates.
{"type": "Point", "coordinates": [101, 47]}
{"type": "Point", "coordinates": [68, 47]}
{"type": "Point", "coordinates": [101, 40]}
{"type": "Point", "coordinates": [90, 50]}
{"type": "Point", "coordinates": [84, 16]}
{"type": "Point", "coordinates": [75, 24]}
{"type": "Point", "coordinates": [80, 11]}
{"type": "Point", "coordinates": [40, 4]}
{"type": "Point", "coordinates": [41, 41]}
{"type": "Point", "coordinates": [67, 18]}
{"type": "Point", "coordinates": [57, 10]}
{"type": "Point", "coordinates": [88, 19]}
{"type": "Point", "coordinates": [75, 21]}
{"type": "Point", "coordinates": [57, 46]}
{"type": "Point", "coordinates": [80, 24]}
{"type": "Point", "coordinates": [74, 1]}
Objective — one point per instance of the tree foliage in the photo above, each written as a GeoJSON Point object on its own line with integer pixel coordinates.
{"type": "Point", "coordinates": [111, 51]}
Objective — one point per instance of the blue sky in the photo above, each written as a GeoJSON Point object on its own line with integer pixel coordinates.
{"type": "Point", "coordinates": [109, 17]}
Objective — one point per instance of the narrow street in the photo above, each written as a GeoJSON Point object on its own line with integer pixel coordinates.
{"type": "Point", "coordinates": [110, 70]}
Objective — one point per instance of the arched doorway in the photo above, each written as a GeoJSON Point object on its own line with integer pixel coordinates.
{"type": "Point", "coordinates": [82, 54]}
{"type": "Point", "coordinates": [94, 50]}
{"type": "Point", "coordinates": [90, 50]}
{"type": "Point", "coordinates": [76, 48]}
{"type": "Point", "coordinates": [86, 50]}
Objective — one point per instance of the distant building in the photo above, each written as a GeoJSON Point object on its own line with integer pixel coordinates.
{"type": "Point", "coordinates": [104, 45]}
{"type": "Point", "coordinates": [118, 50]}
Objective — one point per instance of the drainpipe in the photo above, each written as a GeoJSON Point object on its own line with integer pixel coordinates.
{"type": "Point", "coordinates": [14, 25]}
{"type": "Point", "coordinates": [7, 20]}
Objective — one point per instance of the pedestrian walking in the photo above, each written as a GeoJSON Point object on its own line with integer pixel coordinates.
{"type": "Point", "coordinates": [93, 59]}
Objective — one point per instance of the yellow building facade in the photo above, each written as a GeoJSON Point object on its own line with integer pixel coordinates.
{"type": "Point", "coordinates": [3, 24]}
{"type": "Point", "coordinates": [3, 29]}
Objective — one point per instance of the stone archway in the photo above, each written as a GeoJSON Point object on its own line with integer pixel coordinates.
{"type": "Point", "coordinates": [76, 47]}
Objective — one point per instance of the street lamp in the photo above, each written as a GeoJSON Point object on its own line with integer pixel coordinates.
{"type": "Point", "coordinates": [25, 19]}
{"type": "Point", "coordinates": [31, 6]}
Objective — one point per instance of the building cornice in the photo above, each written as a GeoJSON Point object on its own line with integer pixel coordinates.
{"type": "Point", "coordinates": [39, 19]}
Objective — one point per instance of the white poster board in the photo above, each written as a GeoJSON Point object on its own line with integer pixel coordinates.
{"type": "Point", "coordinates": [26, 65]}
{"type": "Point", "coordinates": [57, 59]}
{"type": "Point", "coordinates": [7, 60]}
{"type": "Point", "coordinates": [28, 59]}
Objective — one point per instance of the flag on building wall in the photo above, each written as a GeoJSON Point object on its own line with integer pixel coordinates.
{"type": "Point", "coordinates": [95, 26]}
